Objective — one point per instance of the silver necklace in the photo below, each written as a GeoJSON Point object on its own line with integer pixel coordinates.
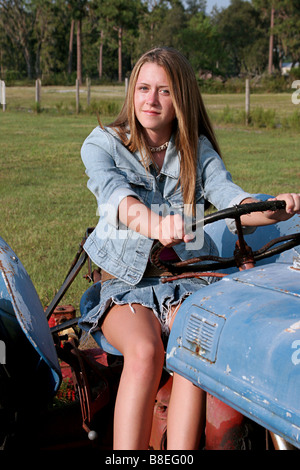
{"type": "Point", "coordinates": [160, 148]}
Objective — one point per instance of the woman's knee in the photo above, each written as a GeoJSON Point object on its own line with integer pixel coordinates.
{"type": "Point", "coordinates": [145, 356]}
{"type": "Point", "coordinates": [137, 336]}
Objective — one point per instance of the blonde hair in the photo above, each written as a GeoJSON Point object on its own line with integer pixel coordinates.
{"type": "Point", "coordinates": [191, 117]}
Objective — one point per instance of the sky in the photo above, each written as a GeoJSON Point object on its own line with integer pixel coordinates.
{"type": "Point", "coordinates": [219, 3]}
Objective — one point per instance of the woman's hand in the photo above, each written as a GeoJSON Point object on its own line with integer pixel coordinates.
{"type": "Point", "coordinates": [171, 231]}
{"type": "Point", "coordinates": [292, 201]}
{"type": "Point", "coordinates": [168, 230]}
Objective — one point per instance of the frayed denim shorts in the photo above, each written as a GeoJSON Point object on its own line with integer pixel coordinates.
{"type": "Point", "coordinates": [150, 292]}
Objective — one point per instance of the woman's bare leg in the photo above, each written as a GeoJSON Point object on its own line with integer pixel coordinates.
{"type": "Point", "coordinates": [186, 412]}
{"type": "Point", "coordinates": [138, 337]}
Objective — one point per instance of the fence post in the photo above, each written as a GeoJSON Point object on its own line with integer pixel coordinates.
{"type": "Point", "coordinates": [77, 95]}
{"type": "Point", "coordinates": [126, 85]}
{"type": "Point", "coordinates": [2, 94]}
{"type": "Point", "coordinates": [247, 101]}
{"type": "Point", "coordinates": [88, 85]}
{"type": "Point", "coordinates": [38, 85]}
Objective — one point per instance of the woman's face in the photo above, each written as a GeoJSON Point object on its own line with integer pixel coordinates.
{"type": "Point", "coordinates": [153, 103]}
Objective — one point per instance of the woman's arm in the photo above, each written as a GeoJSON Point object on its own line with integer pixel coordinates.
{"type": "Point", "coordinates": [292, 201]}
{"type": "Point", "coordinates": [168, 230]}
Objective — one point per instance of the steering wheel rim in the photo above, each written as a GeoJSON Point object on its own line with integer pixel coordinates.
{"type": "Point", "coordinates": [237, 211]}
{"type": "Point", "coordinates": [242, 252]}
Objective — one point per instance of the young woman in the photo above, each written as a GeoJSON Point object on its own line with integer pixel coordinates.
{"type": "Point", "coordinates": [158, 158]}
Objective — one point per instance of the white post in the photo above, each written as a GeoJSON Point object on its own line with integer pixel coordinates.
{"type": "Point", "coordinates": [77, 95]}
{"type": "Point", "coordinates": [247, 101]}
{"type": "Point", "coordinates": [126, 85]}
{"type": "Point", "coordinates": [3, 93]}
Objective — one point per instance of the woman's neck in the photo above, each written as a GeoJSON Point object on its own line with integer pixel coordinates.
{"type": "Point", "coordinates": [154, 139]}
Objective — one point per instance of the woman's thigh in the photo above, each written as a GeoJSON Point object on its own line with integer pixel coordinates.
{"type": "Point", "coordinates": [126, 329]}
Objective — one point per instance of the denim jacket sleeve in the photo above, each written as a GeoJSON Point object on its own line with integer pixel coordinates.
{"type": "Point", "coordinates": [106, 181]}
{"type": "Point", "coordinates": [218, 186]}
{"type": "Point", "coordinates": [219, 189]}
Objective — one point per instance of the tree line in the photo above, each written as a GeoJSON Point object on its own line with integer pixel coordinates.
{"type": "Point", "coordinates": [58, 40]}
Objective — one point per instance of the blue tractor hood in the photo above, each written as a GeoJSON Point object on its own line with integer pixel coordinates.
{"type": "Point", "coordinates": [21, 313]}
{"type": "Point", "coordinates": [239, 339]}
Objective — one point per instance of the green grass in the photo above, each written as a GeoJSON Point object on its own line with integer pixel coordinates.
{"type": "Point", "coordinates": [45, 205]}
{"type": "Point", "coordinates": [262, 161]}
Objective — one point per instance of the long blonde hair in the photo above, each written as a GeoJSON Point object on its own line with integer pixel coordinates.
{"type": "Point", "coordinates": [191, 117]}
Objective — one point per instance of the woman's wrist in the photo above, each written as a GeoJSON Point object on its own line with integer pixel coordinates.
{"type": "Point", "coordinates": [169, 230]}
{"type": "Point", "coordinates": [138, 217]}
{"type": "Point", "coordinates": [270, 217]}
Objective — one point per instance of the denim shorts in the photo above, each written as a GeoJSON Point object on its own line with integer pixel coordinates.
{"type": "Point", "coordinates": [150, 292]}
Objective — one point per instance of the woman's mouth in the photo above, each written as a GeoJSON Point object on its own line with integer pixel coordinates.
{"type": "Point", "coordinates": [151, 112]}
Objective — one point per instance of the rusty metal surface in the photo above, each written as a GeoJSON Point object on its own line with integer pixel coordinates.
{"type": "Point", "coordinates": [159, 425]}
{"type": "Point", "coordinates": [226, 428]}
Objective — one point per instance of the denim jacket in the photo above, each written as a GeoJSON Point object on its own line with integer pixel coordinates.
{"type": "Point", "coordinates": [115, 173]}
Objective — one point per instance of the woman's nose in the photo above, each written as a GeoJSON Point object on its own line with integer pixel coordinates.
{"type": "Point", "coordinates": [152, 97]}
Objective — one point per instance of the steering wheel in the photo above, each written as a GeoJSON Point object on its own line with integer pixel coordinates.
{"type": "Point", "coordinates": [243, 256]}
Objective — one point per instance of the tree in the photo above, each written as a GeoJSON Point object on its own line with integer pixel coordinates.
{"type": "Point", "coordinates": [168, 31]}
{"type": "Point", "coordinates": [151, 24]}
{"type": "Point", "coordinates": [55, 51]}
{"type": "Point", "coordinates": [17, 20]}
{"type": "Point", "coordinates": [37, 29]}
{"type": "Point", "coordinates": [200, 42]}
{"type": "Point", "coordinates": [195, 6]}
{"type": "Point", "coordinates": [239, 27]}
{"type": "Point", "coordinates": [11, 55]}
{"type": "Point", "coordinates": [70, 53]}
{"type": "Point", "coordinates": [271, 41]}
{"type": "Point", "coordinates": [36, 36]}
{"type": "Point", "coordinates": [116, 19]}
{"type": "Point", "coordinates": [284, 29]}
{"type": "Point", "coordinates": [287, 27]}
{"type": "Point", "coordinates": [78, 12]}
{"type": "Point", "coordinates": [42, 11]}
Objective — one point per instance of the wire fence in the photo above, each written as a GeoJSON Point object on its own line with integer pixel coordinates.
{"type": "Point", "coordinates": [62, 98]}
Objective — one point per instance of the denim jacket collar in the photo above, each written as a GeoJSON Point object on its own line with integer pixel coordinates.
{"type": "Point", "coordinates": [171, 165]}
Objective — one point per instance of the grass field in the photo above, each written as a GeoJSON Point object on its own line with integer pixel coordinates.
{"type": "Point", "coordinates": [45, 206]}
